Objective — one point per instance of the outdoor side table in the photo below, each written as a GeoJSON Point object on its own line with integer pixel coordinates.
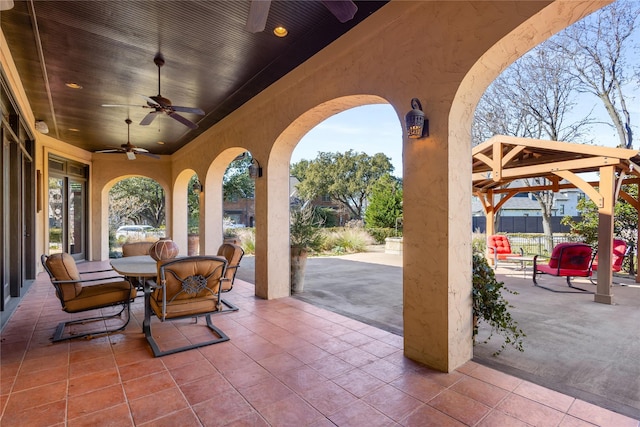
{"type": "Point", "coordinates": [523, 262]}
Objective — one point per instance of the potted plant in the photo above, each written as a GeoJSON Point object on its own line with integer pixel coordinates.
{"type": "Point", "coordinates": [305, 236]}
{"type": "Point", "coordinates": [490, 306]}
{"type": "Point", "coordinates": [193, 241]}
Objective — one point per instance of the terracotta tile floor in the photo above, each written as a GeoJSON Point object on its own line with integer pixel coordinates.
{"type": "Point", "coordinates": [288, 363]}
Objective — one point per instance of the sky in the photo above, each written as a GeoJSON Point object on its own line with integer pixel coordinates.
{"type": "Point", "coordinates": [370, 129]}
{"type": "Point", "coordinates": [376, 128]}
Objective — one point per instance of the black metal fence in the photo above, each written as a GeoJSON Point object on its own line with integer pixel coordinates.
{"type": "Point", "coordinates": [520, 224]}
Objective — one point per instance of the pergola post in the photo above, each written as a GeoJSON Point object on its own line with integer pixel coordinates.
{"type": "Point", "coordinates": [490, 215]}
{"type": "Point", "coordinates": [603, 293]}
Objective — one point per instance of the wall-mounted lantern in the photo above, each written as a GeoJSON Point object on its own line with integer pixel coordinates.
{"type": "Point", "coordinates": [417, 124]}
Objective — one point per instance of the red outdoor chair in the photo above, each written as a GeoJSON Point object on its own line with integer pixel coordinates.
{"type": "Point", "coordinates": [567, 260]}
{"type": "Point", "coordinates": [500, 248]}
{"type": "Point", "coordinates": [620, 250]}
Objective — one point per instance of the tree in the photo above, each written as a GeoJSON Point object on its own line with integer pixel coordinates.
{"type": "Point", "coordinates": [597, 47]}
{"type": "Point", "coordinates": [385, 203]}
{"type": "Point", "coordinates": [299, 170]}
{"type": "Point", "coordinates": [193, 205]}
{"type": "Point", "coordinates": [236, 182]}
{"type": "Point", "coordinates": [625, 222]}
{"type": "Point", "coordinates": [346, 177]}
{"type": "Point", "coordinates": [138, 200]}
{"type": "Point", "coordinates": [533, 99]}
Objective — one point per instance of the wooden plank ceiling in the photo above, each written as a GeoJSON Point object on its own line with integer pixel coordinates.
{"type": "Point", "coordinates": [108, 47]}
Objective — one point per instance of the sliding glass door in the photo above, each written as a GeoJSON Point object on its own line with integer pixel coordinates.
{"type": "Point", "coordinates": [67, 208]}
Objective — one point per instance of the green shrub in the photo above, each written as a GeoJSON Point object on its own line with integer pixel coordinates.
{"type": "Point", "coordinates": [326, 216]}
{"type": "Point", "coordinates": [247, 238]}
{"type": "Point", "coordinates": [479, 242]}
{"type": "Point", "coordinates": [380, 234]}
{"type": "Point", "coordinates": [346, 240]}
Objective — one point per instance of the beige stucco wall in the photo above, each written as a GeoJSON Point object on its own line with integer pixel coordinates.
{"type": "Point", "coordinates": [444, 53]}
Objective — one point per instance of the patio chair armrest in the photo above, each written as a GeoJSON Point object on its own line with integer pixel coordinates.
{"type": "Point", "coordinates": [97, 271]}
{"type": "Point", "coordinates": [95, 279]}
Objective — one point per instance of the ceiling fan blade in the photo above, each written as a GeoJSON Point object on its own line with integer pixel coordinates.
{"type": "Point", "coordinates": [183, 120]}
{"type": "Point", "coordinates": [188, 110]}
{"type": "Point", "coordinates": [148, 118]}
{"type": "Point", "coordinates": [153, 156]}
{"type": "Point", "coordinates": [109, 150]}
{"type": "Point", "coordinates": [121, 105]}
{"type": "Point", "coordinates": [151, 102]}
{"type": "Point", "coordinates": [131, 155]}
{"type": "Point", "coordinates": [140, 150]}
{"type": "Point", "coordinates": [344, 10]}
{"type": "Point", "coordinates": [258, 14]}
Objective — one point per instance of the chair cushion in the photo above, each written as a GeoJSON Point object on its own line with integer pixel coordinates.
{"type": "Point", "coordinates": [568, 259]}
{"type": "Point", "coordinates": [180, 308]}
{"type": "Point", "coordinates": [574, 256]}
{"type": "Point", "coordinates": [545, 268]}
{"type": "Point", "coordinates": [101, 295]}
{"type": "Point", "coordinates": [619, 251]}
{"type": "Point", "coordinates": [233, 254]}
{"type": "Point", "coordinates": [191, 285]}
{"type": "Point", "coordinates": [500, 243]}
{"type": "Point", "coordinates": [63, 267]}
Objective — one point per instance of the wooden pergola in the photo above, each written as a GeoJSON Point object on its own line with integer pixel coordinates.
{"type": "Point", "coordinates": [501, 165]}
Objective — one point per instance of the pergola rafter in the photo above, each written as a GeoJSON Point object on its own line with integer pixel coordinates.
{"type": "Point", "coordinates": [502, 160]}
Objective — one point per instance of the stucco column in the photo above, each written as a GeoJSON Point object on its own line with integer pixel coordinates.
{"type": "Point", "coordinates": [437, 252]}
{"type": "Point", "coordinates": [272, 229]}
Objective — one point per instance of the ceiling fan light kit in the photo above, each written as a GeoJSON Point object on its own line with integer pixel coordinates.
{"type": "Point", "coordinates": [129, 149]}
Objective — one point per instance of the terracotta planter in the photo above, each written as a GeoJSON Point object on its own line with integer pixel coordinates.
{"type": "Point", "coordinates": [235, 240]}
{"type": "Point", "coordinates": [193, 247]}
{"type": "Point", "coordinates": [298, 265]}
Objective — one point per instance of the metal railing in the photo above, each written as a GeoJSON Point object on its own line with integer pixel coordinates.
{"type": "Point", "coordinates": [539, 244]}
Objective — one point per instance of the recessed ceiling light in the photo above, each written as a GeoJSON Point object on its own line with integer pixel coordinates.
{"type": "Point", "coordinates": [160, 142]}
{"type": "Point", "coordinates": [280, 31]}
{"type": "Point", "coordinates": [73, 85]}
{"type": "Point", "coordinates": [74, 130]}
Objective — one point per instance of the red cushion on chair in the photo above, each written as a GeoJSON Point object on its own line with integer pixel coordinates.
{"type": "Point", "coordinates": [500, 243]}
{"type": "Point", "coordinates": [568, 259]}
{"type": "Point", "coordinates": [563, 271]}
{"type": "Point", "coordinates": [619, 251]}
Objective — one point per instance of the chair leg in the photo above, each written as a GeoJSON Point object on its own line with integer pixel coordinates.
{"type": "Point", "coordinates": [157, 352]}
{"type": "Point", "coordinates": [59, 333]}
{"type": "Point", "coordinates": [578, 290]}
{"type": "Point", "coordinates": [575, 287]}
{"type": "Point", "coordinates": [231, 307]}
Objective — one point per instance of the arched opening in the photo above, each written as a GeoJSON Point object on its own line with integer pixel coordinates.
{"type": "Point", "coordinates": [271, 260]}
{"type": "Point", "coordinates": [347, 172]}
{"type": "Point", "coordinates": [555, 196]}
{"type": "Point", "coordinates": [136, 212]}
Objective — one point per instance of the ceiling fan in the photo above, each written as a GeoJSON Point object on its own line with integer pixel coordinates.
{"type": "Point", "coordinates": [344, 10]}
{"type": "Point", "coordinates": [129, 149]}
{"type": "Point", "coordinates": [161, 104]}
